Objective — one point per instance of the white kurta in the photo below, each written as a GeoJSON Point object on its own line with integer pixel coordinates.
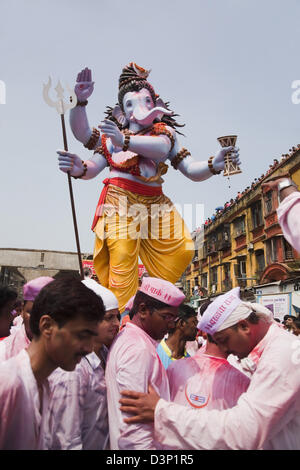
{"type": "Point", "coordinates": [22, 425]}
{"type": "Point", "coordinates": [266, 416]}
{"type": "Point", "coordinates": [204, 381]}
{"type": "Point", "coordinates": [14, 343]}
{"type": "Point", "coordinates": [133, 364]}
{"type": "Point", "coordinates": [78, 407]}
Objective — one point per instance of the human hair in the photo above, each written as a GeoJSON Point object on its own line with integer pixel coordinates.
{"type": "Point", "coordinates": [64, 300]}
{"type": "Point", "coordinates": [297, 323]}
{"type": "Point", "coordinates": [6, 295]}
{"type": "Point", "coordinates": [150, 302]}
{"type": "Point", "coordinates": [184, 313]}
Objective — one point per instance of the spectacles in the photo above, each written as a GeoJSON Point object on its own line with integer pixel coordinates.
{"type": "Point", "coordinates": [167, 317]}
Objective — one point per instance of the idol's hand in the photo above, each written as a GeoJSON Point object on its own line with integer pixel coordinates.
{"type": "Point", "coordinates": [84, 86]}
{"type": "Point", "coordinates": [142, 405]}
{"type": "Point", "coordinates": [219, 163]}
{"type": "Point", "coordinates": [69, 162]}
{"type": "Point", "coordinates": [111, 130]}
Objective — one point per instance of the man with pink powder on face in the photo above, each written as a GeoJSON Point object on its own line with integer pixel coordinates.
{"type": "Point", "coordinates": [266, 416]}
{"type": "Point", "coordinates": [134, 363]}
{"type": "Point", "coordinates": [206, 380]}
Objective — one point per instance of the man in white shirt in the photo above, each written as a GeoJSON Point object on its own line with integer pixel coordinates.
{"type": "Point", "coordinates": [63, 322]}
{"type": "Point", "coordinates": [78, 405]}
{"type": "Point", "coordinates": [133, 361]}
{"type": "Point", "coordinates": [267, 415]}
{"type": "Point", "coordinates": [206, 380]}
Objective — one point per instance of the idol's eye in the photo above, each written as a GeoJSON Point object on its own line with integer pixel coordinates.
{"type": "Point", "coordinates": [148, 99]}
{"type": "Point", "coordinates": [128, 104]}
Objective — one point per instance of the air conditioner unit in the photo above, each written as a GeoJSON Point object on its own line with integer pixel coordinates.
{"type": "Point", "coordinates": [250, 246]}
{"type": "Point", "coordinates": [213, 288]}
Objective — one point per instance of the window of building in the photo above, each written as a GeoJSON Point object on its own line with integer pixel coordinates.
{"type": "Point", "coordinates": [287, 250]}
{"type": "Point", "coordinates": [204, 280]}
{"type": "Point", "coordinates": [240, 269]}
{"type": "Point", "coordinates": [256, 214]}
{"type": "Point", "coordinates": [214, 275]}
{"type": "Point", "coordinates": [268, 202]}
{"type": "Point", "coordinates": [260, 261]}
{"type": "Point", "coordinates": [271, 251]}
{"type": "Point", "coordinates": [239, 226]}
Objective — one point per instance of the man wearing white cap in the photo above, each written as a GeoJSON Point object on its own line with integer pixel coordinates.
{"type": "Point", "coordinates": [78, 406]}
{"type": "Point", "coordinates": [20, 334]}
{"type": "Point", "coordinates": [134, 363]}
{"type": "Point", "coordinates": [206, 380]}
{"type": "Point", "coordinates": [267, 416]}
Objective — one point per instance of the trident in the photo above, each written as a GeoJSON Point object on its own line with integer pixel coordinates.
{"type": "Point", "coordinates": [61, 107]}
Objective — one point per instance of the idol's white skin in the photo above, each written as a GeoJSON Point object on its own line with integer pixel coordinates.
{"type": "Point", "coordinates": [139, 112]}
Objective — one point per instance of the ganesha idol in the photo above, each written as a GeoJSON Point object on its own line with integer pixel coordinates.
{"type": "Point", "coordinates": [135, 140]}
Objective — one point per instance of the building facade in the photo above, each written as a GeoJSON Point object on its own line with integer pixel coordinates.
{"type": "Point", "coordinates": [244, 246]}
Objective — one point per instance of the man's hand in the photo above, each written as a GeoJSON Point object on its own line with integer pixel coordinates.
{"type": "Point", "coordinates": [142, 405]}
{"type": "Point", "coordinates": [111, 130]}
{"type": "Point", "coordinates": [219, 163]}
{"type": "Point", "coordinates": [84, 86]}
{"type": "Point", "coordinates": [69, 162]}
{"type": "Point", "coordinates": [272, 183]}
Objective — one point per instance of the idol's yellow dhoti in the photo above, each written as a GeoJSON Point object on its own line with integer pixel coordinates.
{"type": "Point", "coordinates": [136, 226]}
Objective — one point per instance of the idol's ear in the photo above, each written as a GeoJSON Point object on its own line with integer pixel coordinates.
{"type": "Point", "coordinates": [161, 103]}
{"type": "Point", "coordinates": [118, 114]}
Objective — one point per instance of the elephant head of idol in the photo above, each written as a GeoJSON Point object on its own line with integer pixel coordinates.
{"type": "Point", "coordinates": [137, 100]}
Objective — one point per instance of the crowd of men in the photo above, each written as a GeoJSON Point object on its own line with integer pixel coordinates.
{"type": "Point", "coordinates": [72, 378]}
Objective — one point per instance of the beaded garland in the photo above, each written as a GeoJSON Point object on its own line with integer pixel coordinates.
{"type": "Point", "coordinates": [132, 165]}
{"type": "Point", "coordinates": [93, 139]}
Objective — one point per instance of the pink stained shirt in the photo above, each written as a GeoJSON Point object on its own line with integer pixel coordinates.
{"type": "Point", "coordinates": [267, 416]}
{"type": "Point", "coordinates": [133, 364]}
{"type": "Point", "coordinates": [14, 343]}
{"type": "Point", "coordinates": [23, 421]}
{"type": "Point", "coordinates": [205, 381]}
{"type": "Point", "coordinates": [289, 219]}
{"type": "Point", "coordinates": [78, 407]}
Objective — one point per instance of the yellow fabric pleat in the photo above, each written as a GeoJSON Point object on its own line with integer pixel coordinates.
{"type": "Point", "coordinates": [162, 241]}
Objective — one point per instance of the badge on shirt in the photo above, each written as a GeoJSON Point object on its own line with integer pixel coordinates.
{"type": "Point", "coordinates": [196, 400]}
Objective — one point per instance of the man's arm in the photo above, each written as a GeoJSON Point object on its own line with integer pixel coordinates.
{"type": "Point", "coordinates": [271, 396]}
{"type": "Point", "coordinates": [134, 371]}
{"type": "Point", "coordinates": [288, 210]}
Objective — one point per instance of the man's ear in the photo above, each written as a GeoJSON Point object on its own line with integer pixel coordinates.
{"type": "Point", "coordinates": [46, 325]}
{"type": "Point", "coordinates": [244, 325]}
{"type": "Point", "coordinates": [143, 310]}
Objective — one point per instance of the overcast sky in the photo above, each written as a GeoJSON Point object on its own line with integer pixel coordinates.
{"type": "Point", "coordinates": [226, 66]}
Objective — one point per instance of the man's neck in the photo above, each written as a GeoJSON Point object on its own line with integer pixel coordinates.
{"type": "Point", "coordinates": [177, 345]}
{"type": "Point", "coordinates": [213, 350]}
{"type": "Point", "coordinates": [41, 366]}
{"type": "Point", "coordinates": [136, 321]}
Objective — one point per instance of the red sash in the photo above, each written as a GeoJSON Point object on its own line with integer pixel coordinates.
{"type": "Point", "coordinates": [128, 185]}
